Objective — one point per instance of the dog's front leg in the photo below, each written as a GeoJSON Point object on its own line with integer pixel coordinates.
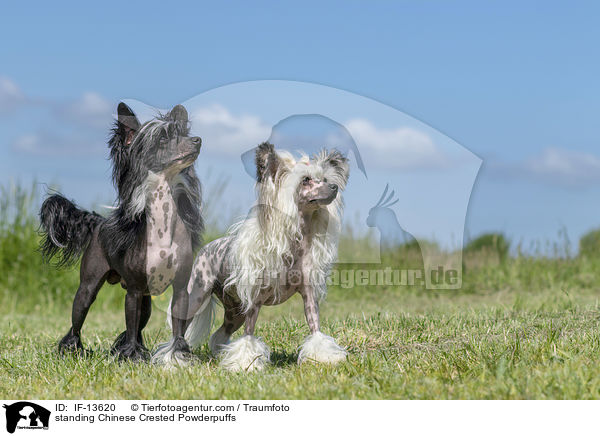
{"type": "Point", "coordinates": [131, 348]}
{"type": "Point", "coordinates": [247, 353]}
{"type": "Point", "coordinates": [317, 347]}
{"type": "Point", "coordinates": [251, 318]}
{"type": "Point", "coordinates": [179, 311]}
{"type": "Point", "coordinates": [144, 318]}
{"type": "Point", "coordinates": [177, 352]}
{"type": "Point", "coordinates": [311, 310]}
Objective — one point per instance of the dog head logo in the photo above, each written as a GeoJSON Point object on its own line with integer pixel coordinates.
{"type": "Point", "coordinates": [26, 415]}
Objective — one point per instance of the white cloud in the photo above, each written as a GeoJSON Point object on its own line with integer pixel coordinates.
{"type": "Point", "coordinates": [75, 133]}
{"type": "Point", "coordinates": [91, 110]}
{"type": "Point", "coordinates": [225, 133]}
{"type": "Point", "coordinates": [553, 166]}
{"type": "Point", "coordinates": [52, 144]}
{"type": "Point", "coordinates": [402, 147]}
{"type": "Point", "coordinates": [29, 143]}
{"type": "Point", "coordinates": [10, 95]}
{"type": "Point", "coordinates": [567, 167]}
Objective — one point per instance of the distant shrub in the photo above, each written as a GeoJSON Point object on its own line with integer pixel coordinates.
{"type": "Point", "coordinates": [489, 244]}
{"type": "Point", "coordinates": [589, 244]}
{"type": "Point", "coordinates": [422, 244]}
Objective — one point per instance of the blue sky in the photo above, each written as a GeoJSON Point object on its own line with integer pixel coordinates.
{"type": "Point", "coordinates": [514, 82]}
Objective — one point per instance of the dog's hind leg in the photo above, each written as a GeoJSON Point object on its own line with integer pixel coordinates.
{"type": "Point", "coordinates": [201, 290]}
{"type": "Point", "coordinates": [233, 319]}
{"type": "Point", "coordinates": [247, 353]}
{"type": "Point", "coordinates": [93, 273]}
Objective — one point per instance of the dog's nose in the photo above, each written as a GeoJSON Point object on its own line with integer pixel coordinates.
{"type": "Point", "coordinates": [333, 187]}
{"type": "Point", "coordinates": [197, 141]}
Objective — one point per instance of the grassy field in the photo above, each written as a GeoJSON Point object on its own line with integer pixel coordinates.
{"type": "Point", "coordinates": [521, 327]}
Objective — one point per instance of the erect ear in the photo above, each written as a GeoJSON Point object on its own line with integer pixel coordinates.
{"type": "Point", "coordinates": [267, 161]}
{"type": "Point", "coordinates": [179, 113]}
{"type": "Point", "coordinates": [127, 123]}
{"type": "Point", "coordinates": [338, 163]}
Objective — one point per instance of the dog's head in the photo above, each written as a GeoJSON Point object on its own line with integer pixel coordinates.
{"type": "Point", "coordinates": [308, 183]}
{"type": "Point", "coordinates": [161, 145]}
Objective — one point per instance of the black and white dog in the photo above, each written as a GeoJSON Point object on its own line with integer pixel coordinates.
{"type": "Point", "coordinates": [287, 245]}
{"type": "Point", "coordinates": [147, 242]}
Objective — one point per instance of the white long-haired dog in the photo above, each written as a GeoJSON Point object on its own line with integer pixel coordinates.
{"type": "Point", "coordinates": [287, 245]}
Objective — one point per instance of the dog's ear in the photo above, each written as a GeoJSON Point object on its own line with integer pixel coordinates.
{"type": "Point", "coordinates": [127, 123]}
{"type": "Point", "coordinates": [267, 161]}
{"type": "Point", "coordinates": [336, 163]}
{"type": "Point", "coordinates": [179, 113]}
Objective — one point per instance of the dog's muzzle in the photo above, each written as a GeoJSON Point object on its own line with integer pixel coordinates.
{"type": "Point", "coordinates": [197, 142]}
{"type": "Point", "coordinates": [329, 197]}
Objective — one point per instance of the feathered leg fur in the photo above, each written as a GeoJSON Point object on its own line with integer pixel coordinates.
{"type": "Point", "coordinates": [247, 353]}
{"type": "Point", "coordinates": [317, 347]}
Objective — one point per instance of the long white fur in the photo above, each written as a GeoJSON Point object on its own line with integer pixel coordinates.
{"type": "Point", "coordinates": [255, 251]}
{"type": "Point", "coordinates": [198, 330]}
{"type": "Point", "coordinates": [247, 353]}
{"type": "Point", "coordinates": [319, 347]}
{"type": "Point", "coordinates": [140, 194]}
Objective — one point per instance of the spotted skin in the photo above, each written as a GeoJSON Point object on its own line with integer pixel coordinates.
{"type": "Point", "coordinates": [161, 233]}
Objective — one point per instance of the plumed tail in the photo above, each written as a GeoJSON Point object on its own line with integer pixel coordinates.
{"type": "Point", "coordinates": [66, 229]}
{"type": "Point", "coordinates": [199, 328]}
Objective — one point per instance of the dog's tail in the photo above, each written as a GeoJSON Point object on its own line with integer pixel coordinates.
{"type": "Point", "coordinates": [199, 328]}
{"type": "Point", "coordinates": [66, 229]}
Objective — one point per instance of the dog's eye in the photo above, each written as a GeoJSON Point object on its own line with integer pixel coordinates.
{"type": "Point", "coordinates": [306, 180]}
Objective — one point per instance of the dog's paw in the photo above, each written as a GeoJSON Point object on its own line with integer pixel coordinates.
{"type": "Point", "coordinates": [174, 353]}
{"type": "Point", "coordinates": [71, 344]}
{"type": "Point", "coordinates": [134, 352]}
{"type": "Point", "coordinates": [120, 342]}
{"type": "Point", "coordinates": [321, 348]}
{"type": "Point", "coordinates": [248, 353]}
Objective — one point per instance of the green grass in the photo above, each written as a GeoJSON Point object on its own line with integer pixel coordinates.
{"type": "Point", "coordinates": [523, 327]}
